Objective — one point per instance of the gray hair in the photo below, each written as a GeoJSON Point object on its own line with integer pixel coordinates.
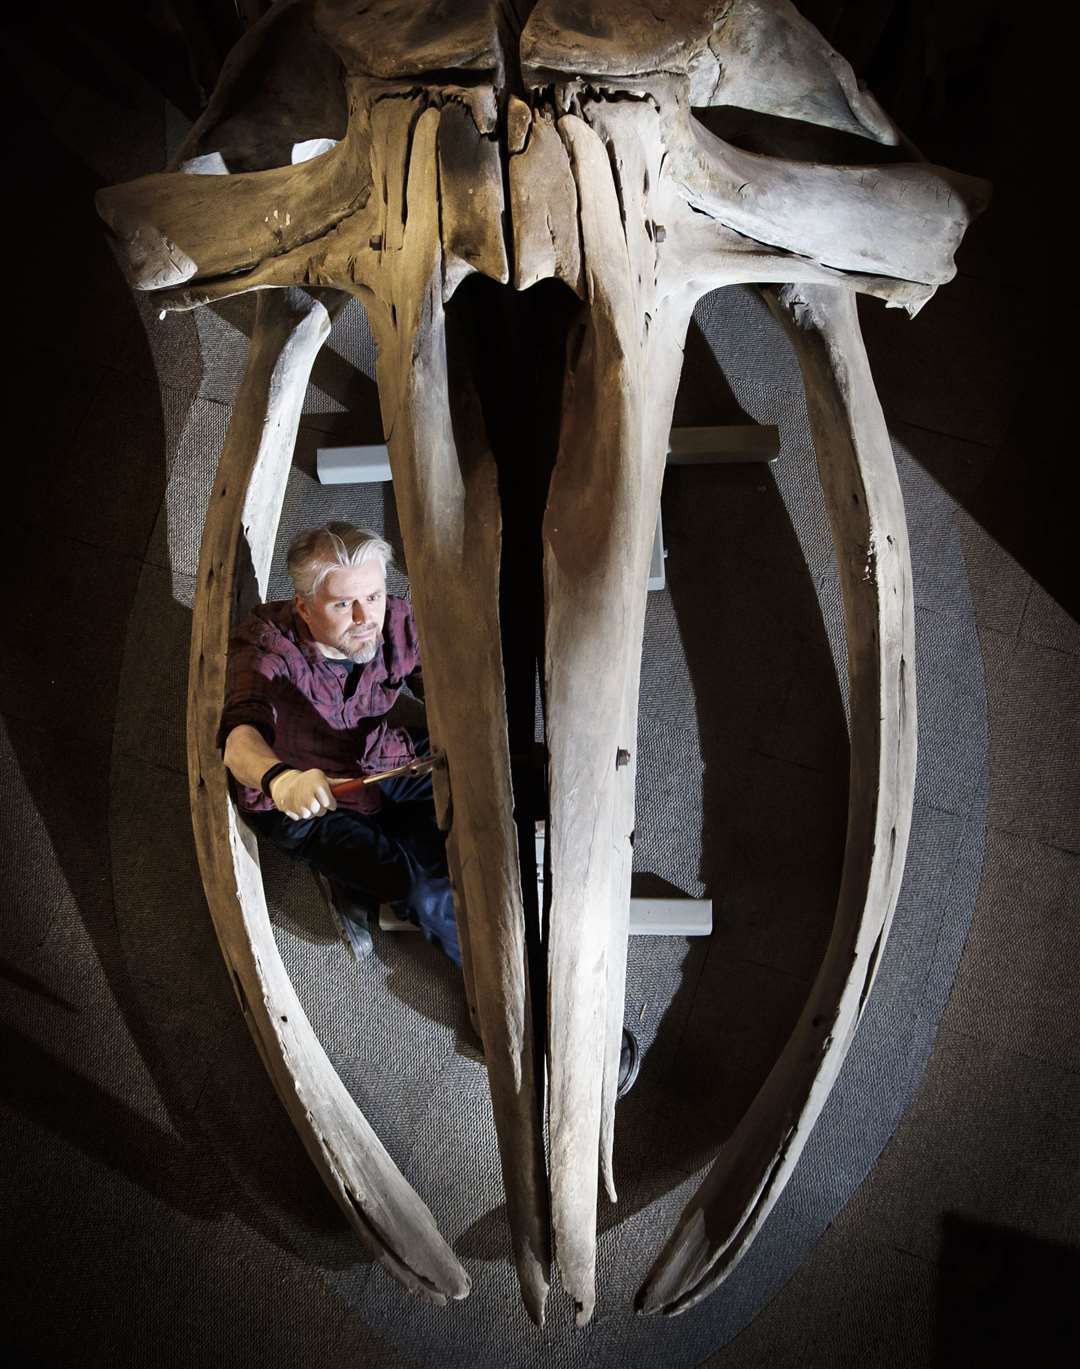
{"type": "Point", "coordinates": [315, 552]}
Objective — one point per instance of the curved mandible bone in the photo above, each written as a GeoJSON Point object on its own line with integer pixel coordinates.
{"type": "Point", "coordinates": [866, 511]}
{"type": "Point", "coordinates": [237, 546]}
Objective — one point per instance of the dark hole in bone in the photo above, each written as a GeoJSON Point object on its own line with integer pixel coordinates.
{"type": "Point", "coordinates": [241, 995]}
{"type": "Point", "coordinates": [507, 353]}
{"type": "Point", "coordinates": [771, 135]}
{"type": "Point", "coordinates": [871, 966]}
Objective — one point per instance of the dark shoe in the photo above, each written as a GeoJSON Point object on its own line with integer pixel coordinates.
{"type": "Point", "coordinates": [350, 917]}
{"type": "Point", "coordinates": [629, 1063]}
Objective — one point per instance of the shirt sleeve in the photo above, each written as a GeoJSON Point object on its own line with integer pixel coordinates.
{"type": "Point", "coordinates": [249, 692]}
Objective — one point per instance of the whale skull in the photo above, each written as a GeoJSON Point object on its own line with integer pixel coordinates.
{"type": "Point", "coordinates": [389, 151]}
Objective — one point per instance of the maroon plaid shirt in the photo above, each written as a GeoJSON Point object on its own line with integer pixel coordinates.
{"type": "Point", "coordinates": [280, 683]}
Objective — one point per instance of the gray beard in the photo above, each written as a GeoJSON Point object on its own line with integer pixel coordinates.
{"type": "Point", "coordinates": [363, 653]}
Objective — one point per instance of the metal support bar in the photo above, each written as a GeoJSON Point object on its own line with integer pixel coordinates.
{"type": "Point", "coordinates": [648, 917]}
{"type": "Point", "coordinates": [686, 447]}
{"type": "Point", "coordinates": [352, 465]}
{"type": "Point", "coordinates": [715, 446]}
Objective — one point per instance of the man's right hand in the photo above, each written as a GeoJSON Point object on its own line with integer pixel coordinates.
{"type": "Point", "coordinates": [302, 794]}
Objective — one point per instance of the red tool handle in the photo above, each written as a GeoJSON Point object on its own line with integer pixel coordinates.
{"type": "Point", "coordinates": [343, 788]}
{"type": "Point", "coordinates": [347, 787]}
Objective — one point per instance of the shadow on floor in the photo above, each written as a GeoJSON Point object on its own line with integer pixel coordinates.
{"type": "Point", "coordinates": [1005, 1297]}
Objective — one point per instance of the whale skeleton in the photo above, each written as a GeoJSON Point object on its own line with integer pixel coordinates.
{"type": "Point", "coordinates": [388, 152]}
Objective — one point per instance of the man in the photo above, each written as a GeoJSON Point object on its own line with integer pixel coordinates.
{"type": "Point", "coordinates": [309, 684]}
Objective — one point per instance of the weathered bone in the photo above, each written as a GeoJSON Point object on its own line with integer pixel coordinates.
{"type": "Point", "coordinates": [755, 54]}
{"type": "Point", "coordinates": [866, 511]}
{"type": "Point", "coordinates": [174, 230]}
{"type": "Point", "coordinates": [544, 208]}
{"type": "Point", "coordinates": [903, 220]}
{"type": "Point", "coordinates": [567, 149]}
{"type": "Point", "coordinates": [448, 504]}
{"type": "Point", "coordinates": [238, 543]}
{"type": "Point", "coordinates": [765, 56]}
{"type": "Point", "coordinates": [471, 193]}
{"type": "Point", "coordinates": [389, 39]}
{"type": "Point", "coordinates": [598, 525]}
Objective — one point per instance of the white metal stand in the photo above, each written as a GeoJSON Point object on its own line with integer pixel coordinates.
{"type": "Point", "coordinates": [648, 916]}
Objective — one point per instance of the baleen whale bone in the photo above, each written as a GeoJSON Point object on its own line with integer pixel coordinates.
{"type": "Point", "coordinates": [388, 151]}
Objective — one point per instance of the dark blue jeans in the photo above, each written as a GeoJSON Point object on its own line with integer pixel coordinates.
{"type": "Point", "coordinates": [395, 856]}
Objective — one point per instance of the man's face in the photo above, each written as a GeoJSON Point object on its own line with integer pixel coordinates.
{"type": "Point", "coordinates": [345, 614]}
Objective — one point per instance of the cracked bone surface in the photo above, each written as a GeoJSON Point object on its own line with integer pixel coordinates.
{"type": "Point", "coordinates": [238, 542]}
{"type": "Point", "coordinates": [553, 145]}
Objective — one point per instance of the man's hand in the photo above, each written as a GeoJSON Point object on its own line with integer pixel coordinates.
{"type": "Point", "coordinates": [302, 794]}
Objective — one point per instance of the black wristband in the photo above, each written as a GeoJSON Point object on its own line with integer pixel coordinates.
{"type": "Point", "coordinates": [271, 775]}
